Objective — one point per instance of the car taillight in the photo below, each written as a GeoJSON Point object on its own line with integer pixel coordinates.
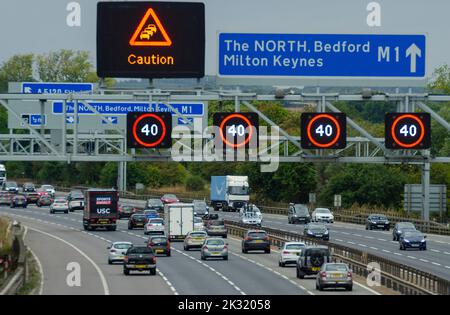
{"type": "Point", "coordinates": [92, 220]}
{"type": "Point", "coordinates": [248, 238]}
{"type": "Point", "coordinates": [266, 238]}
{"type": "Point", "coordinates": [151, 244]}
{"type": "Point", "coordinates": [125, 259]}
{"type": "Point", "coordinates": [205, 247]}
{"type": "Point", "coordinates": [323, 274]}
{"type": "Point", "coordinates": [168, 245]}
{"type": "Point", "coordinates": [154, 260]}
{"type": "Point", "coordinates": [225, 247]}
{"type": "Point", "coordinates": [349, 274]}
{"type": "Point", "coordinates": [285, 252]}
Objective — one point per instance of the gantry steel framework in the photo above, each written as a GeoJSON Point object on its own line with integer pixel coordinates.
{"type": "Point", "coordinates": [38, 145]}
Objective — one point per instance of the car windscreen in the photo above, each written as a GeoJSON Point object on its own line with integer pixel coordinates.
{"type": "Point", "coordinates": [155, 202]}
{"type": "Point", "coordinates": [60, 200]}
{"type": "Point", "coordinates": [150, 212]}
{"type": "Point", "coordinates": [156, 221]}
{"type": "Point", "coordinates": [412, 234]}
{"type": "Point", "coordinates": [316, 227]}
{"type": "Point", "coordinates": [336, 267]}
{"type": "Point", "coordinates": [322, 211]}
{"type": "Point", "coordinates": [301, 210]}
{"type": "Point", "coordinates": [77, 196]}
{"type": "Point", "coordinates": [216, 242]}
{"type": "Point", "coordinates": [158, 240]}
{"type": "Point", "coordinates": [198, 220]}
{"type": "Point", "coordinates": [295, 246]}
{"type": "Point", "coordinates": [139, 250]}
{"type": "Point", "coordinates": [404, 225]}
{"type": "Point", "coordinates": [217, 222]}
{"type": "Point", "coordinates": [170, 196]}
{"type": "Point", "coordinates": [122, 246]}
{"type": "Point", "coordinates": [127, 208]}
{"type": "Point", "coordinates": [47, 187]}
{"type": "Point", "coordinates": [138, 217]}
{"type": "Point", "coordinates": [378, 217]}
{"type": "Point", "coordinates": [257, 234]}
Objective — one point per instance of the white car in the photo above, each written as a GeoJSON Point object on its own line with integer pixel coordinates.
{"type": "Point", "coordinates": [117, 251]}
{"type": "Point", "coordinates": [251, 215]}
{"type": "Point", "coordinates": [290, 252]}
{"type": "Point", "coordinates": [322, 215]}
{"type": "Point", "coordinates": [198, 224]}
{"type": "Point", "coordinates": [49, 189]}
{"type": "Point", "coordinates": [59, 205]}
{"type": "Point", "coordinates": [154, 226]}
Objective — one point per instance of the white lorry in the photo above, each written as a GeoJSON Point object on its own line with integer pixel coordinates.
{"type": "Point", "coordinates": [229, 193]}
{"type": "Point", "coordinates": [2, 174]}
{"type": "Point", "coordinates": [178, 220]}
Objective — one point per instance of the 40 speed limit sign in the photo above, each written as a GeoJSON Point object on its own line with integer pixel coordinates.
{"type": "Point", "coordinates": [149, 130]}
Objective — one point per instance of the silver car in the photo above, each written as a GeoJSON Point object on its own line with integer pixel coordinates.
{"type": "Point", "coordinates": [198, 224]}
{"type": "Point", "coordinates": [154, 226]}
{"type": "Point", "coordinates": [117, 251]}
{"type": "Point", "coordinates": [59, 205]}
{"type": "Point", "coordinates": [194, 239]}
{"type": "Point", "coordinates": [214, 247]}
{"type": "Point", "coordinates": [334, 275]}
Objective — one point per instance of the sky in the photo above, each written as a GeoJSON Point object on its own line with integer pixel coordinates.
{"type": "Point", "coordinates": [30, 26]}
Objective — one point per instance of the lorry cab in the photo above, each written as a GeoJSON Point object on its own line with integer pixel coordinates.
{"type": "Point", "coordinates": [229, 193]}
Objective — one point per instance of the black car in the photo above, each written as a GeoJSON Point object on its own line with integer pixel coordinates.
{"type": "Point", "coordinates": [159, 244]}
{"type": "Point", "coordinates": [18, 201]}
{"type": "Point", "coordinates": [28, 187]}
{"type": "Point", "coordinates": [11, 187]}
{"type": "Point", "coordinates": [200, 208]}
{"type": "Point", "coordinates": [298, 213]}
{"type": "Point", "coordinates": [139, 258]}
{"type": "Point", "coordinates": [412, 239]}
{"type": "Point", "coordinates": [256, 240]}
{"type": "Point", "coordinates": [155, 204]}
{"type": "Point", "coordinates": [317, 230]}
{"type": "Point", "coordinates": [311, 260]}
{"type": "Point", "coordinates": [137, 220]}
{"type": "Point", "coordinates": [377, 221]}
{"type": "Point", "coordinates": [401, 227]}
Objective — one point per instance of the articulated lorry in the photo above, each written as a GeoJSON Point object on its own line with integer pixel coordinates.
{"type": "Point", "coordinates": [229, 193]}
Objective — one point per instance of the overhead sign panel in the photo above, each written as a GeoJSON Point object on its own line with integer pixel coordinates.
{"type": "Point", "coordinates": [151, 39]}
{"type": "Point", "coordinates": [55, 88]}
{"type": "Point", "coordinates": [321, 55]}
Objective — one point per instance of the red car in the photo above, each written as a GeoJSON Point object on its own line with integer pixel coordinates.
{"type": "Point", "coordinates": [169, 198]}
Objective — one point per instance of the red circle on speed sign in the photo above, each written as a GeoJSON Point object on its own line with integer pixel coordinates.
{"type": "Point", "coordinates": [154, 143]}
{"type": "Point", "coordinates": [335, 139]}
{"type": "Point", "coordinates": [247, 139]}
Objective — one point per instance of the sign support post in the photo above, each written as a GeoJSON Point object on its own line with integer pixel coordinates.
{"type": "Point", "coordinates": [426, 188]}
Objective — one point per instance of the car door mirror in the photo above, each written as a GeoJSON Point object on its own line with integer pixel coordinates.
{"type": "Point", "coordinates": [424, 236]}
{"type": "Point", "coordinates": [109, 247]}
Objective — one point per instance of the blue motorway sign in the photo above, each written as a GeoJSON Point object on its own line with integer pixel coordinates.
{"type": "Point", "coordinates": [34, 119]}
{"type": "Point", "coordinates": [321, 55]}
{"type": "Point", "coordinates": [55, 88]}
{"type": "Point", "coordinates": [122, 108]}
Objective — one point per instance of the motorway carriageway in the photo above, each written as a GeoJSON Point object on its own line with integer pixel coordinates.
{"type": "Point", "coordinates": [435, 260]}
{"type": "Point", "coordinates": [58, 239]}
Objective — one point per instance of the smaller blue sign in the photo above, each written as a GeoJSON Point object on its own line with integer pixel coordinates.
{"type": "Point", "coordinates": [56, 88]}
{"type": "Point", "coordinates": [34, 119]}
{"type": "Point", "coordinates": [110, 120]}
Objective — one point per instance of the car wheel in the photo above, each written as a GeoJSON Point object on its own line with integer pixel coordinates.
{"type": "Point", "coordinates": [126, 271]}
{"type": "Point", "coordinates": [393, 238]}
{"type": "Point", "coordinates": [202, 257]}
{"type": "Point", "coordinates": [225, 258]}
{"type": "Point", "coordinates": [320, 287]}
{"type": "Point", "coordinates": [153, 271]}
{"type": "Point", "coordinates": [317, 286]}
{"type": "Point", "coordinates": [244, 250]}
{"type": "Point", "coordinates": [282, 264]}
{"type": "Point", "coordinates": [401, 247]}
{"type": "Point", "coordinates": [110, 262]}
{"type": "Point", "coordinates": [186, 248]}
{"type": "Point", "coordinates": [129, 227]}
{"type": "Point", "coordinates": [300, 274]}
{"type": "Point", "coordinates": [267, 251]}
{"type": "Point", "coordinates": [66, 212]}
{"type": "Point", "coordinates": [225, 236]}
{"type": "Point", "coordinates": [350, 288]}
{"type": "Point", "coordinates": [367, 227]}
{"type": "Point", "coordinates": [168, 254]}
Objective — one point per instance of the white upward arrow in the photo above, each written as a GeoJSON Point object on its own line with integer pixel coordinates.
{"type": "Point", "coordinates": [413, 51]}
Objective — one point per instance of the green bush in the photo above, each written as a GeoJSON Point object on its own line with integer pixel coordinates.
{"type": "Point", "coordinates": [195, 183]}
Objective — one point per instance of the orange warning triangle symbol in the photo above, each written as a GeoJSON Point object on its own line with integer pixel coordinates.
{"type": "Point", "coordinates": [146, 30]}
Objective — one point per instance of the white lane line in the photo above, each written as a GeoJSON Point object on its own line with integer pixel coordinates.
{"type": "Point", "coordinates": [374, 248]}
{"type": "Point", "coordinates": [339, 240]}
{"type": "Point", "coordinates": [398, 254]}
{"type": "Point", "coordinates": [448, 267]}
{"type": "Point", "coordinates": [436, 264]}
{"type": "Point", "coordinates": [97, 268]}
{"type": "Point", "coordinates": [36, 258]}
{"type": "Point", "coordinates": [167, 282]}
{"type": "Point", "coordinates": [436, 251]}
{"type": "Point", "coordinates": [411, 257]}
{"type": "Point", "coordinates": [366, 288]}
{"type": "Point", "coordinates": [362, 245]}
{"type": "Point", "coordinates": [424, 260]}
{"type": "Point", "coordinates": [386, 251]}
{"type": "Point", "coordinates": [210, 268]}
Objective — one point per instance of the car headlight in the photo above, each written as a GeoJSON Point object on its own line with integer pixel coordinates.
{"type": "Point", "coordinates": [407, 241]}
{"type": "Point", "coordinates": [326, 232]}
{"type": "Point", "coordinates": [294, 215]}
{"type": "Point", "coordinates": [399, 232]}
{"type": "Point", "coordinates": [310, 233]}
{"type": "Point", "coordinates": [423, 241]}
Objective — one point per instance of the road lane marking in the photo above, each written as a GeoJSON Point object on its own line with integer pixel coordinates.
{"type": "Point", "coordinates": [436, 264]}
{"type": "Point", "coordinates": [96, 267]}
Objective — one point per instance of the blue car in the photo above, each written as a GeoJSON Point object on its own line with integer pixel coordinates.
{"type": "Point", "coordinates": [151, 214]}
{"type": "Point", "coordinates": [412, 239]}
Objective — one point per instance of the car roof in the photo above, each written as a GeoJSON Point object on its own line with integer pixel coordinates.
{"type": "Point", "coordinates": [122, 242]}
{"type": "Point", "coordinates": [294, 243]}
{"type": "Point", "coordinates": [256, 231]}
{"type": "Point", "coordinates": [317, 247]}
{"type": "Point", "coordinates": [322, 209]}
